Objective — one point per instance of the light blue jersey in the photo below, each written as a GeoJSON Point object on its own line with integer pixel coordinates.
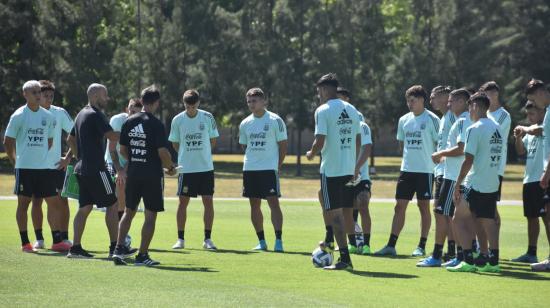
{"type": "Point", "coordinates": [546, 136]}
{"type": "Point", "coordinates": [261, 136]}
{"type": "Point", "coordinates": [484, 141]}
{"type": "Point", "coordinates": [116, 123]}
{"type": "Point", "coordinates": [194, 135]}
{"type": "Point", "coordinates": [503, 119]}
{"type": "Point", "coordinates": [31, 131]}
{"type": "Point", "coordinates": [534, 159]}
{"type": "Point", "coordinates": [366, 138]}
{"type": "Point", "coordinates": [419, 135]}
{"type": "Point", "coordinates": [457, 135]}
{"type": "Point", "coordinates": [62, 122]}
{"type": "Point", "coordinates": [444, 127]}
{"type": "Point", "coordinates": [339, 122]}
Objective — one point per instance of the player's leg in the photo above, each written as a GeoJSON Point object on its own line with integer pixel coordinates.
{"type": "Point", "coordinates": [257, 219]}
{"type": "Point", "coordinates": [277, 221]}
{"type": "Point", "coordinates": [153, 201]}
{"type": "Point", "coordinates": [64, 217]}
{"type": "Point", "coordinates": [424, 186]}
{"type": "Point", "coordinates": [37, 221]}
{"type": "Point", "coordinates": [181, 219]}
{"type": "Point", "coordinates": [533, 205]}
{"type": "Point", "coordinates": [328, 243]}
{"type": "Point", "coordinates": [54, 204]}
{"type": "Point", "coordinates": [464, 226]}
{"type": "Point", "coordinates": [362, 201]}
{"type": "Point", "coordinates": [23, 203]}
{"type": "Point", "coordinates": [207, 192]}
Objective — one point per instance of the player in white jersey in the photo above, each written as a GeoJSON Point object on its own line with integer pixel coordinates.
{"type": "Point", "coordinates": [533, 195]}
{"type": "Point", "coordinates": [451, 156]}
{"type": "Point", "coordinates": [417, 133]}
{"type": "Point", "coordinates": [28, 138]}
{"type": "Point", "coordinates": [263, 137]}
{"type": "Point", "coordinates": [477, 202]}
{"type": "Point", "coordinates": [58, 215]}
{"type": "Point", "coordinates": [193, 135]}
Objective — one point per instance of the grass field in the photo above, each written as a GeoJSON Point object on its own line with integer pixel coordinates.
{"type": "Point", "coordinates": [236, 276]}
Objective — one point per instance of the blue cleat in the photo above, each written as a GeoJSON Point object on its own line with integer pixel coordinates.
{"type": "Point", "coordinates": [429, 262]}
{"type": "Point", "coordinates": [261, 246]}
{"type": "Point", "coordinates": [526, 258]}
{"type": "Point", "coordinates": [419, 252]}
{"type": "Point", "coordinates": [278, 246]}
{"type": "Point", "coordinates": [451, 263]}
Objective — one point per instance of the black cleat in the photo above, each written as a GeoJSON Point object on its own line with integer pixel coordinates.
{"type": "Point", "coordinates": [145, 260]}
{"type": "Point", "coordinates": [78, 253]}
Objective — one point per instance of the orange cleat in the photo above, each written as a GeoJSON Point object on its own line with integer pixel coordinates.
{"type": "Point", "coordinates": [61, 247]}
{"type": "Point", "coordinates": [28, 248]}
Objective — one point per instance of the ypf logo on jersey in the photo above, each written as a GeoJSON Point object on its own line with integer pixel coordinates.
{"type": "Point", "coordinates": [344, 118]}
{"type": "Point", "coordinates": [137, 132]}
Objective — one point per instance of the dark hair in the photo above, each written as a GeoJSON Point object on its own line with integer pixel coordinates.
{"type": "Point", "coordinates": [441, 90]}
{"type": "Point", "coordinates": [533, 85]}
{"type": "Point", "coordinates": [255, 92]}
{"type": "Point", "coordinates": [489, 86]}
{"type": "Point", "coordinates": [191, 97]}
{"type": "Point", "coordinates": [150, 95]}
{"type": "Point", "coordinates": [329, 79]}
{"type": "Point", "coordinates": [480, 98]}
{"type": "Point", "coordinates": [135, 102]}
{"type": "Point", "coordinates": [343, 91]}
{"type": "Point", "coordinates": [461, 93]}
{"type": "Point", "coordinates": [417, 91]}
{"type": "Point", "coordinates": [46, 85]}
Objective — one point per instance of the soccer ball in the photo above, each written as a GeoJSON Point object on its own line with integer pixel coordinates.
{"type": "Point", "coordinates": [321, 258]}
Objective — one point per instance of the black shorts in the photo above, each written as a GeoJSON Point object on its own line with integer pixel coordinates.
{"type": "Point", "coordinates": [196, 183]}
{"type": "Point", "coordinates": [533, 200]}
{"type": "Point", "coordinates": [335, 193]}
{"type": "Point", "coordinates": [151, 189]}
{"type": "Point", "coordinates": [261, 184]}
{"type": "Point", "coordinates": [438, 183]}
{"type": "Point", "coordinates": [58, 176]}
{"type": "Point", "coordinates": [499, 192]}
{"type": "Point", "coordinates": [445, 204]}
{"type": "Point", "coordinates": [98, 189]}
{"type": "Point", "coordinates": [34, 183]}
{"type": "Point", "coordinates": [410, 183]}
{"type": "Point", "coordinates": [363, 186]}
{"type": "Point", "coordinates": [482, 205]}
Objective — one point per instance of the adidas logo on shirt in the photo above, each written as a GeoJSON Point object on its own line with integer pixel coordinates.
{"type": "Point", "coordinates": [137, 132]}
{"type": "Point", "coordinates": [344, 118]}
{"type": "Point", "coordinates": [496, 138]}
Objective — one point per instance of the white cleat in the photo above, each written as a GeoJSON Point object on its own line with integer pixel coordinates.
{"type": "Point", "coordinates": [180, 244]}
{"type": "Point", "coordinates": [208, 244]}
{"type": "Point", "coordinates": [39, 244]}
{"type": "Point", "coordinates": [68, 242]}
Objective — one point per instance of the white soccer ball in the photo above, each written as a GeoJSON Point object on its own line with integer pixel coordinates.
{"type": "Point", "coordinates": [321, 258]}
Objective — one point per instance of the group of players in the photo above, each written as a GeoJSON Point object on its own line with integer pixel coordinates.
{"type": "Point", "coordinates": [464, 152]}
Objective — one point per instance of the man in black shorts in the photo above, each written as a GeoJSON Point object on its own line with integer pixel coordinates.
{"type": "Point", "coordinates": [87, 142]}
{"type": "Point", "coordinates": [144, 145]}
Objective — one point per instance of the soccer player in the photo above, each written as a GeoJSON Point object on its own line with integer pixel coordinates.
{"type": "Point", "coordinates": [477, 202]}
{"type": "Point", "coordinates": [144, 145]}
{"type": "Point", "coordinates": [263, 136]}
{"type": "Point", "coordinates": [451, 156]}
{"type": "Point", "coordinates": [193, 135]}
{"type": "Point", "coordinates": [29, 136]}
{"type": "Point", "coordinates": [87, 142]}
{"type": "Point", "coordinates": [533, 194]}
{"type": "Point", "coordinates": [58, 215]}
{"type": "Point", "coordinates": [417, 132]}
{"type": "Point", "coordinates": [337, 136]}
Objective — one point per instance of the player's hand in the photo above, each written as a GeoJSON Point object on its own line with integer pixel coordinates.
{"type": "Point", "coordinates": [437, 157]}
{"type": "Point", "coordinates": [544, 180]}
{"type": "Point", "coordinates": [121, 177]}
{"type": "Point", "coordinates": [519, 131]}
{"type": "Point", "coordinates": [63, 163]}
{"type": "Point", "coordinates": [457, 195]}
{"type": "Point", "coordinates": [171, 171]}
{"type": "Point", "coordinates": [309, 155]}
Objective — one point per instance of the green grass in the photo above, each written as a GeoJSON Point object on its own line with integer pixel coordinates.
{"type": "Point", "coordinates": [236, 276]}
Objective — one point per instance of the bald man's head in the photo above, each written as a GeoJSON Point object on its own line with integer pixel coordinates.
{"type": "Point", "coordinates": [97, 94]}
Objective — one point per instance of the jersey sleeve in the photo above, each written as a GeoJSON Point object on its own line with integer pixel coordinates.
{"type": "Point", "coordinates": [242, 134]}
{"type": "Point", "coordinates": [462, 132]}
{"type": "Point", "coordinates": [67, 122]}
{"type": "Point", "coordinates": [51, 127]}
{"type": "Point", "coordinates": [213, 131]}
{"type": "Point", "coordinates": [14, 125]}
{"type": "Point", "coordinates": [124, 135]}
{"type": "Point", "coordinates": [280, 130]}
{"type": "Point", "coordinates": [400, 133]}
{"type": "Point", "coordinates": [366, 137]}
{"type": "Point", "coordinates": [471, 146]}
{"type": "Point", "coordinates": [174, 131]}
{"type": "Point", "coordinates": [321, 125]}
{"type": "Point", "coordinates": [116, 124]}
{"type": "Point", "coordinates": [505, 125]}
{"type": "Point", "coordinates": [435, 131]}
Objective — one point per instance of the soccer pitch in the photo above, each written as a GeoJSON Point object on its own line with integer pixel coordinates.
{"type": "Point", "coordinates": [237, 276]}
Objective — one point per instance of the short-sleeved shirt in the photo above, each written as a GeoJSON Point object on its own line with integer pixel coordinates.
{"type": "Point", "coordinates": [116, 123]}
{"type": "Point", "coordinates": [546, 136]}
{"type": "Point", "coordinates": [419, 135]}
{"type": "Point", "coordinates": [503, 119]}
{"type": "Point", "coordinates": [194, 135]}
{"type": "Point", "coordinates": [339, 122]}
{"type": "Point", "coordinates": [143, 134]}
{"type": "Point", "coordinates": [31, 131]}
{"type": "Point", "coordinates": [457, 135]}
{"type": "Point", "coordinates": [534, 159]}
{"type": "Point", "coordinates": [445, 124]}
{"type": "Point", "coordinates": [89, 130]}
{"type": "Point", "coordinates": [366, 138]}
{"type": "Point", "coordinates": [484, 141]}
{"type": "Point", "coordinates": [62, 123]}
{"type": "Point", "coordinates": [261, 137]}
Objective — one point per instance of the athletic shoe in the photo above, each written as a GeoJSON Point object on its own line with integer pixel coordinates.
{"type": "Point", "coordinates": [28, 248]}
{"type": "Point", "coordinates": [481, 260]}
{"type": "Point", "coordinates": [61, 247]}
{"type": "Point", "coordinates": [543, 266]}
{"type": "Point", "coordinates": [339, 266]}
{"type": "Point", "coordinates": [462, 267]}
{"type": "Point", "coordinates": [352, 249]}
{"type": "Point", "coordinates": [79, 253]}
{"type": "Point", "coordinates": [180, 244]}
{"type": "Point", "coordinates": [208, 244]}
{"type": "Point", "coordinates": [448, 257]}
{"type": "Point", "coordinates": [278, 246]}
{"type": "Point", "coordinates": [526, 258]}
{"type": "Point", "coordinates": [488, 268]}
{"type": "Point", "coordinates": [112, 250]}
{"type": "Point", "coordinates": [123, 252]}
{"type": "Point", "coordinates": [145, 260]}
{"type": "Point", "coordinates": [386, 251]}
{"type": "Point", "coordinates": [419, 252]}
{"type": "Point", "coordinates": [429, 262]}
{"type": "Point", "coordinates": [326, 247]}
{"type": "Point", "coordinates": [366, 250]}
{"type": "Point", "coordinates": [39, 244]}
{"type": "Point", "coordinates": [261, 246]}
{"type": "Point", "coordinates": [451, 263]}
{"type": "Point", "coordinates": [128, 241]}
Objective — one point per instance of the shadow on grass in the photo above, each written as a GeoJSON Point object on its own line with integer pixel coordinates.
{"type": "Point", "coordinates": [524, 275]}
{"type": "Point", "coordinates": [514, 263]}
{"type": "Point", "coordinates": [382, 275]}
{"type": "Point", "coordinates": [233, 251]}
{"type": "Point", "coordinates": [403, 257]}
{"type": "Point", "coordinates": [178, 251]}
{"type": "Point", "coordinates": [184, 269]}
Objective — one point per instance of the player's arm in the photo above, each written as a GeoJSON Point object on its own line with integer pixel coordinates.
{"type": "Point", "coordinates": [166, 160]}
{"type": "Point", "coordinates": [545, 176]}
{"type": "Point", "coordinates": [464, 169]}
{"type": "Point", "coordinates": [124, 152]}
{"type": "Point", "coordinates": [9, 145]}
{"type": "Point", "coordinates": [213, 142]}
{"type": "Point", "coordinates": [65, 160]}
{"type": "Point", "coordinates": [457, 150]}
{"type": "Point", "coordinates": [71, 141]}
{"type": "Point", "coordinates": [50, 143]}
{"type": "Point", "coordinates": [520, 146]}
{"type": "Point", "coordinates": [283, 146]}
{"type": "Point", "coordinates": [534, 129]}
{"type": "Point", "coordinates": [362, 158]}
{"type": "Point", "coordinates": [316, 147]}
{"type": "Point", "coordinates": [176, 146]}
{"type": "Point", "coordinates": [114, 153]}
